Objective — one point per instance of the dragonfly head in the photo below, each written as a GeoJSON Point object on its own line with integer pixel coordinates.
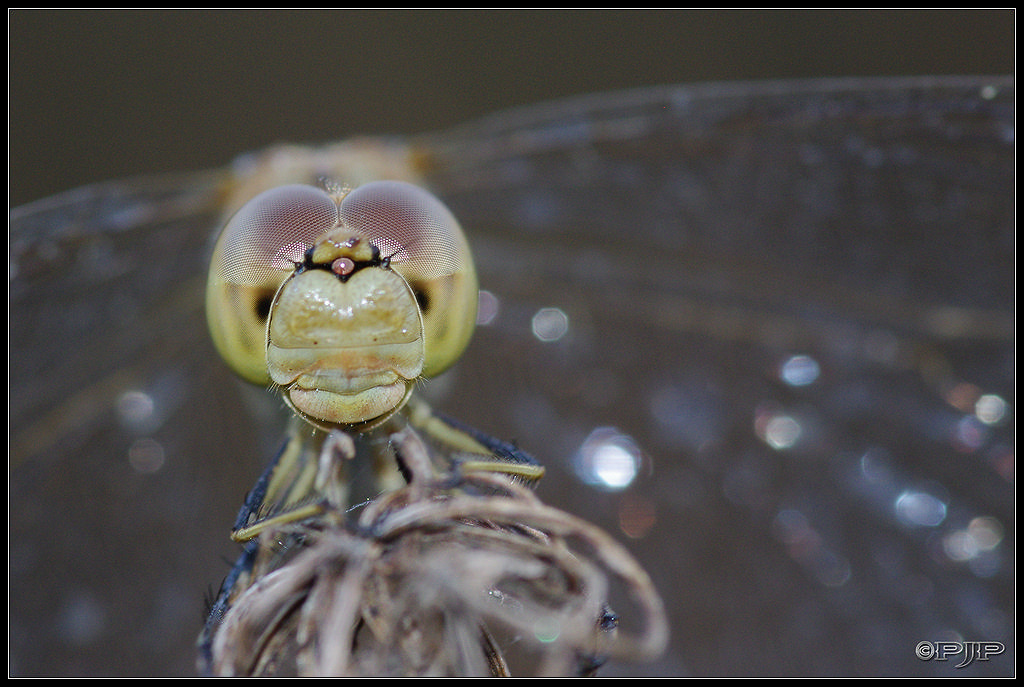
{"type": "Point", "coordinates": [342, 299]}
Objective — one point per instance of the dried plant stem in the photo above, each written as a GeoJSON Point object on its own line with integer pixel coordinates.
{"type": "Point", "coordinates": [444, 576]}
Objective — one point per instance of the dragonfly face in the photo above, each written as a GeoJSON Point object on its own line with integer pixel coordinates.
{"type": "Point", "coordinates": [346, 352]}
{"type": "Point", "coordinates": [702, 243]}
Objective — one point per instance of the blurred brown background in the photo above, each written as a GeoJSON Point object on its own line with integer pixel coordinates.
{"type": "Point", "coordinates": [101, 94]}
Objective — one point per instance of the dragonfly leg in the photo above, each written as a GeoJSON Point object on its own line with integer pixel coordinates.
{"type": "Point", "coordinates": [473, 450]}
{"type": "Point", "coordinates": [300, 469]}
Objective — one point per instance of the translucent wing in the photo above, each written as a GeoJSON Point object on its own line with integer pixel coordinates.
{"type": "Point", "coordinates": [705, 244]}
{"type": "Point", "coordinates": [705, 247]}
{"type": "Point", "coordinates": [111, 497]}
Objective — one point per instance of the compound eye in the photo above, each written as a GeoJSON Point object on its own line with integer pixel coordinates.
{"type": "Point", "coordinates": [271, 232]}
{"type": "Point", "coordinates": [253, 255]}
{"type": "Point", "coordinates": [427, 247]}
{"type": "Point", "coordinates": [409, 225]}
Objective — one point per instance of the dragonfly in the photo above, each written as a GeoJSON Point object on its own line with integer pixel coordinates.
{"type": "Point", "coordinates": [761, 331]}
{"type": "Point", "coordinates": [345, 298]}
